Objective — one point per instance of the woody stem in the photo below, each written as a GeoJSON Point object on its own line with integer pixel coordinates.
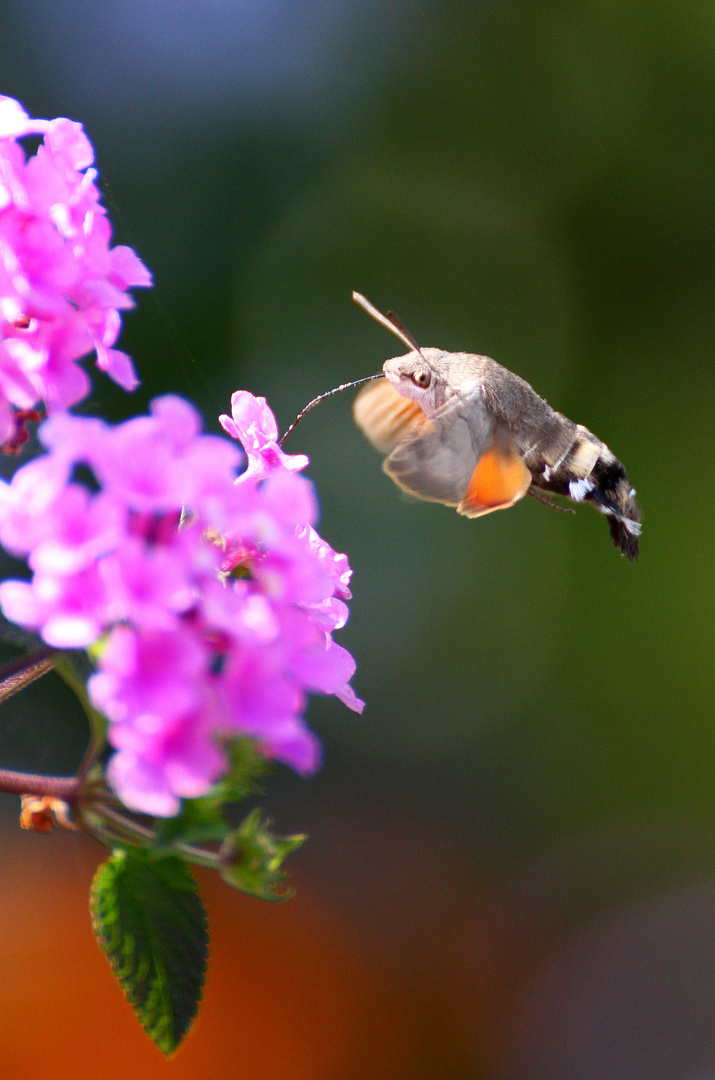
{"type": "Point", "coordinates": [14, 677]}
{"type": "Point", "coordinates": [22, 783]}
{"type": "Point", "coordinates": [20, 673]}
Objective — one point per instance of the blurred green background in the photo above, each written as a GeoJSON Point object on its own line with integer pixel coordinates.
{"type": "Point", "coordinates": [519, 832]}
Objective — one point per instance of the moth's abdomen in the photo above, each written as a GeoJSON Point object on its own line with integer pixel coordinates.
{"type": "Point", "coordinates": [590, 472]}
{"type": "Point", "coordinates": [614, 496]}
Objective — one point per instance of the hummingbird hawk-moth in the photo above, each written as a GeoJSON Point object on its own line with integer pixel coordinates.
{"type": "Point", "coordinates": [462, 430]}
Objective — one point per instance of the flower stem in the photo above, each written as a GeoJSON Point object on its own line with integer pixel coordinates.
{"type": "Point", "coordinates": [22, 783]}
{"type": "Point", "coordinates": [14, 677]}
{"type": "Point", "coordinates": [20, 673]}
{"type": "Point", "coordinates": [128, 830]}
{"type": "Point", "coordinates": [67, 666]}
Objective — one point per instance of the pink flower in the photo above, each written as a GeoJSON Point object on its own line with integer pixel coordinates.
{"type": "Point", "coordinates": [208, 602]}
{"type": "Point", "coordinates": [61, 285]}
{"type": "Point", "coordinates": [255, 427]}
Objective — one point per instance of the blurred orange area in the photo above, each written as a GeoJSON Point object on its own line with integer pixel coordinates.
{"type": "Point", "coordinates": [289, 992]}
{"type": "Point", "coordinates": [599, 953]}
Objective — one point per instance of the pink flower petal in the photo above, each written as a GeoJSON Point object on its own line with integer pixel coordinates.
{"type": "Point", "coordinates": [210, 603]}
{"type": "Point", "coordinates": [62, 285]}
{"type": "Point", "coordinates": [127, 270]}
{"type": "Point", "coordinates": [66, 138]}
{"type": "Point", "coordinates": [14, 121]}
{"type": "Point", "coordinates": [118, 366]}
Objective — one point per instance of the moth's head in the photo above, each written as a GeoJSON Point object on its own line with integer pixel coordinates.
{"type": "Point", "coordinates": [417, 376]}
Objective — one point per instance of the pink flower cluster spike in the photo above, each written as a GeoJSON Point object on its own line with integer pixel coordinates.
{"type": "Point", "coordinates": [61, 285]}
{"type": "Point", "coordinates": [207, 600]}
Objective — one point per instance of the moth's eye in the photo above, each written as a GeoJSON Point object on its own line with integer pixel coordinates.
{"type": "Point", "coordinates": [421, 378]}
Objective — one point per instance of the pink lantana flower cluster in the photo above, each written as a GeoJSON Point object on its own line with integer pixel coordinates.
{"type": "Point", "coordinates": [206, 598]}
{"type": "Point", "coordinates": [61, 285]}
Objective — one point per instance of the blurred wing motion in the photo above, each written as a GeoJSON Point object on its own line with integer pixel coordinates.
{"type": "Point", "coordinates": [385, 416]}
{"type": "Point", "coordinates": [460, 456]}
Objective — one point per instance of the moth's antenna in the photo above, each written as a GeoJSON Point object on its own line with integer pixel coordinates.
{"type": "Point", "coordinates": [389, 321]}
{"type": "Point", "coordinates": [404, 332]}
{"type": "Point", "coordinates": [322, 397]}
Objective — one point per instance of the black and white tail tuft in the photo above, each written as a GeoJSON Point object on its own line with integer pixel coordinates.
{"type": "Point", "coordinates": [589, 472]}
{"type": "Point", "coordinates": [614, 496]}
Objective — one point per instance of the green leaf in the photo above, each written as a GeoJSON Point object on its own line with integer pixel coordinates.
{"type": "Point", "coordinates": [150, 921]}
{"type": "Point", "coordinates": [251, 858]}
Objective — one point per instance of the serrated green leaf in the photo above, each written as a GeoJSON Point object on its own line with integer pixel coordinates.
{"type": "Point", "coordinates": [251, 858]}
{"type": "Point", "coordinates": [150, 922]}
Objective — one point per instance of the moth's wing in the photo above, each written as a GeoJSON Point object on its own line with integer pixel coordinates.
{"type": "Point", "coordinates": [500, 477]}
{"type": "Point", "coordinates": [436, 460]}
{"type": "Point", "coordinates": [385, 416]}
{"type": "Point", "coordinates": [461, 456]}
